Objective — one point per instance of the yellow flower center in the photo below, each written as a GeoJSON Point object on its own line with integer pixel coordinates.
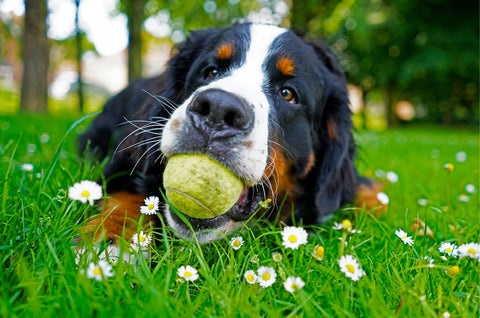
{"type": "Point", "coordinates": [250, 278]}
{"type": "Point", "coordinates": [292, 238]}
{"type": "Point", "coordinates": [151, 206]}
{"type": "Point", "coordinates": [188, 274]}
{"type": "Point", "coordinates": [294, 286]}
{"type": "Point", "coordinates": [236, 243]}
{"type": "Point", "coordinates": [97, 271]}
{"type": "Point", "coordinates": [472, 251]}
{"type": "Point", "coordinates": [347, 225]}
{"type": "Point", "coordinates": [320, 251]}
{"type": "Point", "coordinates": [266, 276]}
{"type": "Point", "coordinates": [449, 249]}
{"type": "Point", "coordinates": [404, 237]}
{"type": "Point", "coordinates": [141, 239]}
{"type": "Point", "coordinates": [350, 268]}
{"type": "Point", "coordinates": [85, 193]}
{"type": "Point", "coordinates": [453, 270]}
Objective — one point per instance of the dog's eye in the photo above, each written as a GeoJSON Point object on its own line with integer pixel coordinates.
{"type": "Point", "coordinates": [212, 73]}
{"type": "Point", "coordinates": [288, 95]}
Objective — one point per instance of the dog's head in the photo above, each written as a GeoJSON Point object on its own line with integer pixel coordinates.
{"type": "Point", "coordinates": [271, 107]}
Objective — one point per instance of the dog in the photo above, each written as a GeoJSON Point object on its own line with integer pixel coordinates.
{"type": "Point", "coordinates": [261, 100]}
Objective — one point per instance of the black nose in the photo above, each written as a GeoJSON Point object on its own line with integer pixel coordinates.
{"type": "Point", "coordinates": [220, 114]}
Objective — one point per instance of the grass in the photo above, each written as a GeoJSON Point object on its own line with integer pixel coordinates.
{"type": "Point", "coordinates": [40, 278]}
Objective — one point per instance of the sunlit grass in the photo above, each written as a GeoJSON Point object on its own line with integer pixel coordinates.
{"type": "Point", "coordinates": [40, 277]}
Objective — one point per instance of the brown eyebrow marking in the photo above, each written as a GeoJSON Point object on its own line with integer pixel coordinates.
{"type": "Point", "coordinates": [286, 66]}
{"type": "Point", "coordinates": [225, 51]}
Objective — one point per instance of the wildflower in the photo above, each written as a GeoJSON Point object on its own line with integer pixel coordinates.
{"type": "Point", "coordinates": [422, 202]}
{"type": "Point", "coordinates": [236, 242]}
{"type": "Point", "coordinates": [463, 198]}
{"type": "Point", "coordinates": [265, 204]}
{"type": "Point", "coordinates": [350, 267]}
{"type": "Point", "coordinates": [461, 156]}
{"type": "Point", "coordinates": [404, 237]}
{"type": "Point", "coordinates": [99, 271]}
{"type": "Point", "coordinates": [318, 252]}
{"type": "Point", "coordinates": [85, 191]}
{"type": "Point", "coordinates": [188, 273]}
{"type": "Point", "coordinates": [293, 237]}
{"type": "Point", "coordinates": [151, 205]}
{"type": "Point", "coordinates": [27, 167]}
{"type": "Point", "coordinates": [471, 250]}
{"type": "Point", "coordinates": [292, 284]}
{"type": "Point", "coordinates": [266, 276]}
{"type": "Point", "coordinates": [452, 270]}
{"type": "Point", "coordinates": [470, 188]}
{"type": "Point", "coordinates": [449, 248]}
{"type": "Point", "coordinates": [449, 167]}
{"type": "Point", "coordinates": [446, 314]}
{"type": "Point", "coordinates": [430, 261]}
{"type": "Point", "coordinates": [383, 198]}
{"type": "Point", "coordinates": [379, 173]}
{"type": "Point", "coordinates": [141, 239]}
{"type": "Point", "coordinates": [255, 259]}
{"type": "Point", "coordinates": [44, 138]}
{"type": "Point", "coordinates": [250, 277]}
{"type": "Point", "coordinates": [392, 177]}
{"type": "Point", "coordinates": [345, 225]}
{"type": "Point", "coordinates": [277, 257]}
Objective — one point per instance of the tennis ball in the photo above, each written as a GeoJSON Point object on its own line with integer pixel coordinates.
{"type": "Point", "coordinates": [199, 186]}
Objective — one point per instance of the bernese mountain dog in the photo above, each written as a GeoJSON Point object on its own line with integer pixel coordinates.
{"type": "Point", "coordinates": [267, 104]}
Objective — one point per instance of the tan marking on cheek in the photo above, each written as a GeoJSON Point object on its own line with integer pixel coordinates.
{"type": "Point", "coordinates": [248, 144]}
{"type": "Point", "coordinates": [286, 66]}
{"type": "Point", "coordinates": [332, 130]}
{"type": "Point", "coordinates": [279, 174]}
{"type": "Point", "coordinates": [225, 51]}
{"type": "Point", "coordinates": [310, 164]}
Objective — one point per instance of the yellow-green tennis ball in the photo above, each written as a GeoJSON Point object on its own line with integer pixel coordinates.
{"type": "Point", "coordinates": [199, 186]}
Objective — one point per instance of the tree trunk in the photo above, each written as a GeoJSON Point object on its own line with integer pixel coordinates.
{"type": "Point", "coordinates": [36, 50]}
{"type": "Point", "coordinates": [79, 53]}
{"type": "Point", "coordinates": [135, 13]}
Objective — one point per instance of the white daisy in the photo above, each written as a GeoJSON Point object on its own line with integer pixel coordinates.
{"type": "Point", "coordinates": [236, 242]}
{"type": "Point", "coordinates": [85, 191]}
{"type": "Point", "coordinates": [350, 267]}
{"type": "Point", "coordinates": [449, 248]}
{"type": "Point", "coordinates": [463, 198]}
{"type": "Point", "coordinates": [449, 167]}
{"type": "Point", "coordinates": [99, 271]}
{"type": "Point", "coordinates": [471, 250]}
{"type": "Point", "coordinates": [292, 284]}
{"type": "Point", "coordinates": [383, 198]}
{"type": "Point", "coordinates": [470, 188]}
{"type": "Point", "coordinates": [141, 239]}
{"type": "Point", "coordinates": [27, 167]}
{"type": "Point", "coordinates": [250, 277]}
{"type": "Point", "coordinates": [188, 273]}
{"type": "Point", "coordinates": [404, 237]}
{"type": "Point", "coordinates": [422, 202]}
{"type": "Point", "coordinates": [318, 252]}
{"type": "Point", "coordinates": [461, 156]}
{"type": "Point", "coordinates": [277, 257]}
{"type": "Point", "coordinates": [266, 276]}
{"type": "Point", "coordinates": [345, 225]}
{"type": "Point", "coordinates": [293, 237]}
{"type": "Point", "coordinates": [392, 177]}
{"type": "Point", "coordinates": [151, 205]}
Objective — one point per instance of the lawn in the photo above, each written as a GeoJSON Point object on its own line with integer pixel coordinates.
{"type": "Point", "coordinates": [40, 277]}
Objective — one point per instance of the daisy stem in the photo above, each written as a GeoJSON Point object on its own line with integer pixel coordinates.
{"type": "Point", "coordinates": [342, 242]}
{"type": "Point", "coordinates": [448, 191]}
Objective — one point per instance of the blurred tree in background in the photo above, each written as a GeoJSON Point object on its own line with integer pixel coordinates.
{"type": "Point", "coordinates": [422, 51]}
{"type": "Point", "coordinates": [36, 57]}
{"type": "Point", "coordinates": [418, 53]}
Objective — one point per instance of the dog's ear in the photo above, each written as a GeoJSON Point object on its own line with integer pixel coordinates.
{"type": "Point", "coordinates": [335, 175]}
